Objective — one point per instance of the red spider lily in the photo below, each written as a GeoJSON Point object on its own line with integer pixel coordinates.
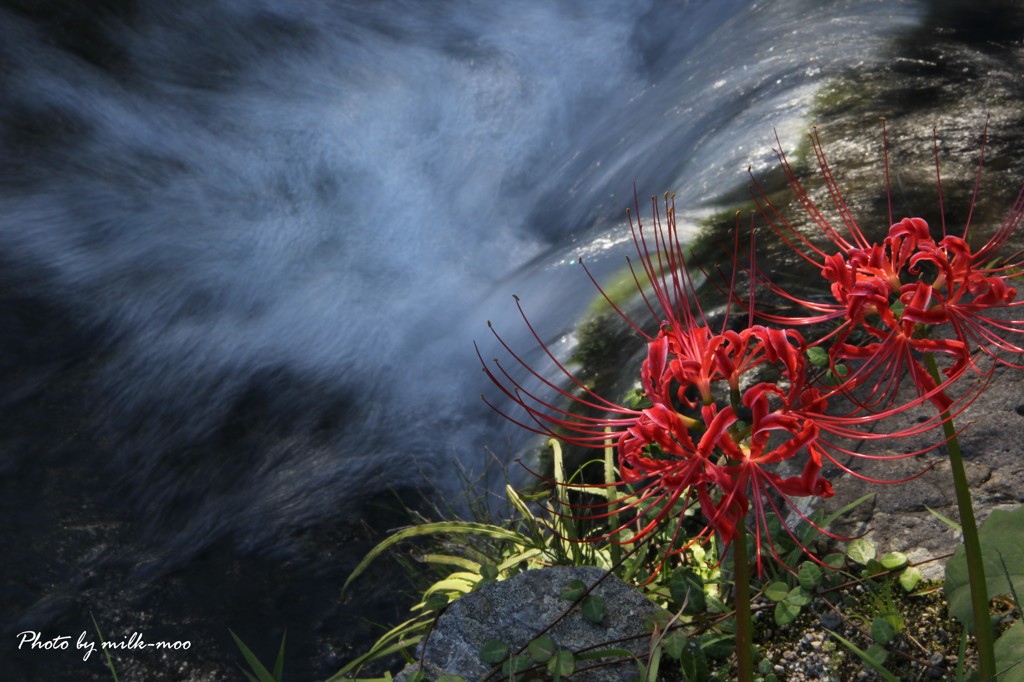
{"type": "Point", "coordinates": [725, 457]}
{"type": "Point", "coordinates": [867, 282]}
{"type": "Point", "coordinates": [704, 437]}
{"type": "Point", "coordinates": [896, 292]}
{"type": "Point", "coordinates": [966, 293]}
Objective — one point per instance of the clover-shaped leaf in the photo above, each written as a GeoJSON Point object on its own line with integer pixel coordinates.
{"type": "Point", "coordinates": [809, 575]}
{"type": "Point", "coordinates": [515, 665]}
{"type": "Point", "coordinates": [882, 631]}
{"type": "Point", "coordinates": [817, 356]}
{"type": "Point", "coordinates": [861, 551]}
{"type": "Point", "coordinates": [786, 613]}
{"type": "Point", "coordinates": [593, 608]}
{"type": "Point", "coordinates": [493, 651]}
{"type": "Point", "coordinates": [909, 578]}
{"type": "Point", "coordinates": [798, 596]}
{"type": "Point", "coordinates": [893, 560]}
{"type": "Point", "coordinates": [573, 590]}
{"type": "Point", "coordinates": [776, 591]}
{"type": "Point", "coordinates": [562, 664]}
{"type": "Point", "coordinates": [687, 590]}
{"type": "Point", "coordinates": [675, 644]}
{"type": "Point", "coordinates": [542, 649]}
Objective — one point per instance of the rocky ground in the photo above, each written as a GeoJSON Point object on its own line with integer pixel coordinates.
{"type": "Point", "coordinates": [902, 517]}
{"type": "Point", "coordinates": [898, 516]}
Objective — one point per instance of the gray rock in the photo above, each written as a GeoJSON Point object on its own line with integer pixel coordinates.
{"type": "Point", "coordinates": [517, 610]}
{"type": "Point", "coordinates": [898, 518]}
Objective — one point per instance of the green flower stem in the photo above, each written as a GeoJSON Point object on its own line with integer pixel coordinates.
{"type": "Point", "coordinates": [983, 635]}
{"type": "Point", "coordinates": [744, 622]}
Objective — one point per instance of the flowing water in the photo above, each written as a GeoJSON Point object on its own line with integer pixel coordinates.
{"type": "Point", "coordinates": [246, 247]}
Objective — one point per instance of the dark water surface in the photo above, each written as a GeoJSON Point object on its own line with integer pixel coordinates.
{"type": "Point", "coordinates": [245, 248]}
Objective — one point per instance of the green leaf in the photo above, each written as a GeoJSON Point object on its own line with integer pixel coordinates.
{"type": "Point", "coordinates": [659, 621]}
{"type": "Point", "coordinates": [435, 602]}
{"type": "Point", "coordinates": [449, 560]}
{"type": "Point", "coordinates": [399, 638]}
{"type": "Point", "coordinates": [516, 498]}
{"type": "Point", "coordinates": [716, 605]}
{"type": "Point", "coordinates": [416, 676]}
{"type": "Point", "coordinates": [809, 575]}
{"type": "Point", "coordinates": [542, 649]}
{"type": "Point", "coordinates": [837, 374]}
{"type": "Point", "coordinates": [518, 558]}
{"type": "Point", "coordinates": [1002, 543]}
{"type": "Point", "coordinates": [447, 677]}
{"type": "Point", "coordinates": [718, 646]}
{"type": "Point", "coordinates": [675, 644]}
{"type": "Point", "coordinates": [909, 578]}
{"type": "Point", "coordinates": [493, 651]}
{"type": "Point", "coordinates": [456, 582]}
{"type": "Point", "coordinates": [261, 673]}
{"type": "Point", "coordinates": [798, 596]}
{"type": "Point", "coordinates": [877, 653]}
{"type": "Point", "coordinates": [593, 608]}
{"type": "Point", "coordinates": [844, 510]}
{"type": "Point", "coordinates": [786, 613]}
{"type": "Point", "coordinates": [694, 663]}
{"type": "Point", "coordinates": [489, 572]}
{"type": "Point", "coordinates": [562, 664]}
{"type": "Point", "coordinates": [649, 672]}
{"type": "Point", "coordinates": [687, 590]}
{"type": "Point", "coordinates": [776, 591]}
{"type": "Point", "coordinates": [515, 665]}
{"type": "Point", "coordinates": [882, 631]}
{"type": "Point", "coordinates": [861, 551]}
{"type": "Point", "coordinates": [817, 356]}
{"type": "Point", "coordinates": [893, 561]}
{"type": "Point", "coordinates": [873, 657]}
{"type": "Point", "coordinates": [573, 590]}
{"type": "Point", "coordinates": [279, 662]}
{"type": "Point", "coordinates": [439, 527]}
{"type": "Point", "coordinates": [1009, 654]}
{"type": "Point", "coordinates": [957, 528]}
{"type": "Point", "coordinates": [106, 650]}
{"type": "Point", "coordinates": [835, 560]}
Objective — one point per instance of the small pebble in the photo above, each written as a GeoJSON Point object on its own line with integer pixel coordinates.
{"type": "Point", "coordinates": [936, 661]}
{"type": "Point", "coordinates": [831, 620]}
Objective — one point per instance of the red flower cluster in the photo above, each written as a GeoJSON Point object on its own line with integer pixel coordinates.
{"type": "Point", "coordinates": [740, 421]}
{"type": "Point", "coordinates": [725, 412]}
{"type": "Point", "coordinates": [900, 292]}
{"type": "Point", "coordinates": [724, 454]}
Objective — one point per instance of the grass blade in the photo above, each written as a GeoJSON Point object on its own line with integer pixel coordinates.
{"type": "Point", "coordinates": [106, 650]}
{"type": "Point", "coordinates": [862, 655]}
{"type": "Point", "coordinates": [260, 672]}
{"type": "Point", "coordinates": [439, 527]}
